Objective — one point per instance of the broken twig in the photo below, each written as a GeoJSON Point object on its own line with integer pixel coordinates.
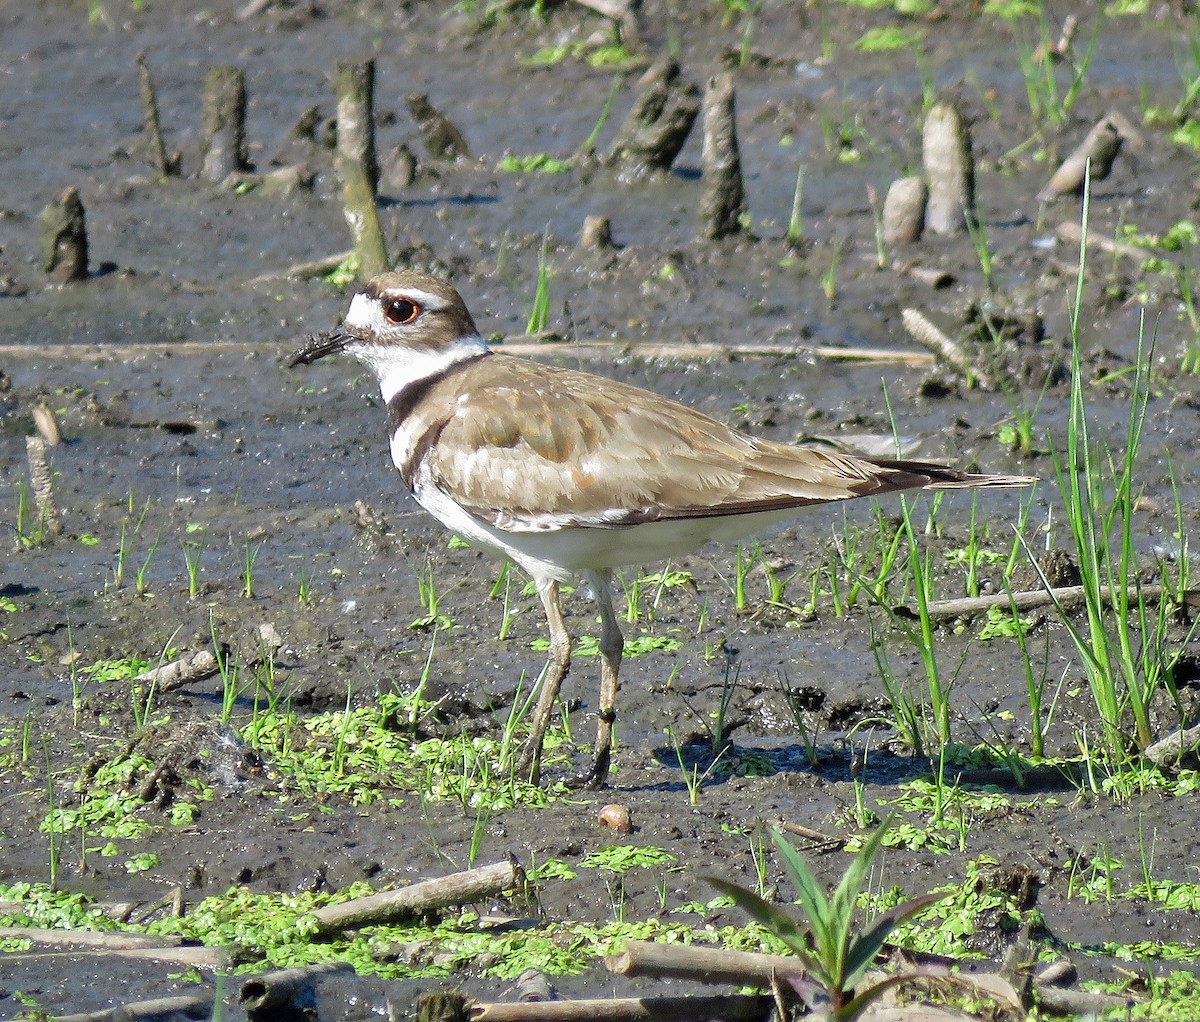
{"type": "Point", "coordinates": [1072, 234]}
{"type": "Point", "coordinates": [722, 197]}
{"type": "Point", "coordinates": [223, 124]}
{"type": "Point", "coordinates": [127, 945]}
{"type": "Point", "coordinates": [192, 1006]}
{"type": "Point", "coordinates": [41, 481]}
{"type": "Point", "coordinates": [949, 170]}
{"type": "Point", "coordinates": [286, 989]}
{"type": "Point", "coordinates": [730, 1007]}
{"type": "Point", "coordinates": [418, 899]}
{"type": "Point", "coordinates": [357, 165]}
{"type": "Point", "coordinates": [46, 423]}
{"type": "Point", "coordinates": [176, 674]}
{"type": "Point", "coordinates": [166, 164]}
{"type": "Point", "coordinates": [1092, 158]}
{"type": "Point", "coordinates": [942, 345]}
{"type": "Point", "coordinates": [1169, 750]}
{"type": "Point", "coordinates": [1065, 596]}
{"type": "Point", "coordinates": [309, 268]}
{"type": "Point", "coordinates": [821, 842]}
{"type": "Point", "coordinates": [702, 964]}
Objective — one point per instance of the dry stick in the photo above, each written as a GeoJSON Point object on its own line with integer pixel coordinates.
{"type": "Point", "coordinates": [223, 124]}
{"type": "Point", "coordinates": [41, 481]}
{"type": "Point", "coordinates": [62, 227]}
{"type": "Point", "coordinates": [358, 205]}
{"type": "Point", "coordinates": [1093, 157]}
{"type": "Point", "coordinates": [658, 123]}
{"type": "Point", "coordinates": [127, 945]}
{"type": "Point", "coordinates": [534, 985]}
{"type": "Point", "coordinates": [1059, 973]}
{"type": "Point", "coordinates": [928, 275]}
{"type": "Point", "coordinates": [949, 170]}
{"type": "Point", "coordinates": [305, 270]}
{"type": "Point", "coordinates": [354, 86]}
{"type": "Point", "coordinates": [722, 197]}
{"type": "Point", "coordinates": [1060, 50]}
{"type": "Point", "coordinates": [193, 957]}
{"type": "Point", "coordinates": [134, 912]}
{"type": "Point", "coordinates": [1128, 131]}
{"type": "Point", "coordinates": [286, 988]}
{"type": "Point", "coordinates": [1072, 234]}
{"type": "Point", "coordinates": [580, 349]}
{"type": "Point", "coordinates": [197, 1006]}
{"type": "Point", "coordinates": [597, 349]}
{"type": "Point", "coordinates": [941, 344]}
{"type": "Point", "coordinates": [357, 165]}
{"type": "Point", "coordinates": [46, 424]}
{"type": "Point", "coordinates": [1065, 596]}
{"type": "Point", "coordinates": [730, 1007]}
{"type": "Point", "coordinates": [823, 842]}
{"type": "Point", "coordinates": [166, 165]}
{"type": "Point", "coordinates": [94, 940]}
{"type": "Point", "coordinates": [1169, 750]}
{"type": "Point", "coordinates": [428, 896]}
{"type": "Point", "coordinates": [702, 964]}
{"type": "Point", "coordinates": [201, 664]}
{"type": "Point", "coordinates": [1080, 1003]}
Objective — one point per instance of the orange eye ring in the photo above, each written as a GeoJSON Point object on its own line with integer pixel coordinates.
{"type": "Point", "coordinates": [400, 311]}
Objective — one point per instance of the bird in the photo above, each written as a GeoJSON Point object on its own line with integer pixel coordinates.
{"type": "Point", "coordinates": [569, 474]}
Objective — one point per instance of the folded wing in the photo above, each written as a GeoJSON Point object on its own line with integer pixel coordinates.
{"type": "Point", "coordinates": [580, 450]}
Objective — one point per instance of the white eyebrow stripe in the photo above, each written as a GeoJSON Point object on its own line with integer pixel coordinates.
{"type": "Point", "coordinates": [426, 299]}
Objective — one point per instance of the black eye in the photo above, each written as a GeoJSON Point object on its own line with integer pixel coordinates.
{"type": "Point", "coordinates": [400, 310]}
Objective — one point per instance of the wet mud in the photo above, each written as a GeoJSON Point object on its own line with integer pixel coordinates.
{"type": "Point", "coordinates": [186, 437]}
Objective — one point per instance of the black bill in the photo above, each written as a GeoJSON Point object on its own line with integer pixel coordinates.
{"type": "Point", "coordinates": [320, 345]}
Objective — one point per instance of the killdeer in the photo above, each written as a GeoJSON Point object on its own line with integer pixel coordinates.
{"type": "Point", "coordinates": [569, 474]}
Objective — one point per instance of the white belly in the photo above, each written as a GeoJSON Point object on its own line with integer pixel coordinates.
{"type": "Point", "coordinates": [566, 552]}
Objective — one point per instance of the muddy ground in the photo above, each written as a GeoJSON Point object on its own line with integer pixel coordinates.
{"type": "Point", "coordinates": [166, 372]}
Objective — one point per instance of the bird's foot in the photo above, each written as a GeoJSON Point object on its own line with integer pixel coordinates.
{"type": "Point", "coordinates": [590, 781]}
{"type": "Point", "coordinates": [595, 777]}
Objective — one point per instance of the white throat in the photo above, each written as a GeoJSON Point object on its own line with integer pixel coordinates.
{"type": "Point", "coordinates": [398, 368]}
{"type": "Point", "coordinates": [395, 364]}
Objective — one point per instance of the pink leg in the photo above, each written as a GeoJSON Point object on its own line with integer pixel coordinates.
{"type": "Point", "coordinates": [530, 761]}
{"type": "Point", "coordinates": [612, 647]}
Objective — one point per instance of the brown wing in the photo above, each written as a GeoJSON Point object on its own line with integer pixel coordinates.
{"type": "Point", "coordinates": [527, 447]}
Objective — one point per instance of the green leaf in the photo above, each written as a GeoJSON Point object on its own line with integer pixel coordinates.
{"type": "Point", "coordinates": [812, 898]}
{"type": "Point", "coordinates": [864, 948]}
{"type": "Point", "coordinates": [773, 918]}
{"type": "Point", "coordinates": [845, 898]}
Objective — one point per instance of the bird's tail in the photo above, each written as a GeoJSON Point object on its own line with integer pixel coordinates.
{"type": "Point", "coordinates": [910, 474]}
